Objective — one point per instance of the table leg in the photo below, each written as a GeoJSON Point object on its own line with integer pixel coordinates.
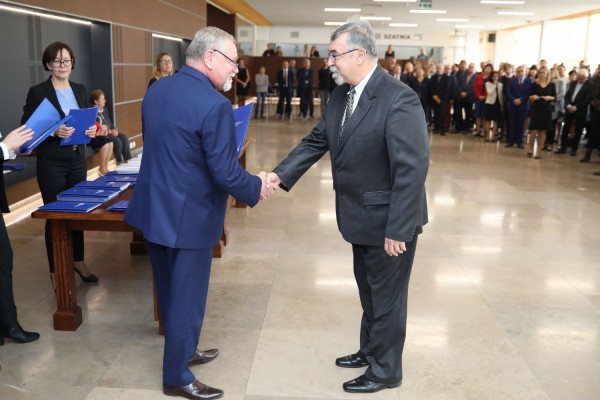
{"type": "Point", "coordinates": [68, 315]}
{"type": "Point", "coordinates": [137, 247]}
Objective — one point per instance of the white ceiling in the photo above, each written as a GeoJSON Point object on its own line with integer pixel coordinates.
{"type": "Point", "coordinates": [310, 13]}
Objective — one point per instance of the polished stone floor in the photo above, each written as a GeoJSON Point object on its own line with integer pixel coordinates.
{"type": "Point", "coordinates": [504, 299]}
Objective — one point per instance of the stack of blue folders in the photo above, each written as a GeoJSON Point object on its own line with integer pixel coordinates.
{"type": "Point", "coordinates": [97, 184]}
{"type": "Point", "coordinates": [93, 195]}
{"type": "Point", "coordinates": [131, 178]}
{"type": "Point", "coordinates": [69, 206]}
{"type": "Point", "coordinates": [119, 206]}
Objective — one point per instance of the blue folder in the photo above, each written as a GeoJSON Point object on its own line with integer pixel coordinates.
{"type": "Point", "coordinates": [118, 178]}
{"type": "Point", "coordinates": [69, 206]}
{"type": "Point", "coordinates": [119, 206]}
{"type": "Point", "coordinates": [81, 120]}
{"type": "Point", "coordinates": [44, 121]}
{"type": "Point", "coordinates": [13, 166]}
{"type": "Point", "coordinates": [120, 186]}
{"type": "Point", "coordinates": [242, 117]}
{"type": "Point", "coordinates": [87, 195]}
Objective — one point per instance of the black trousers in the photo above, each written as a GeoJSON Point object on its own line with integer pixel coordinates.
{"type": "Point", "coordinates": [285, 94]}
{"type": "Point", "coordinates": [594, 131]}
{"type": "Point", "coordinates": [383, 289]}
{"type": "Point", "coordinates": [121, 147]}
{"type": "Point", "coordinates": [8, 310]}
{"type": "Point", "coordinates": [578, 118]}
{"type": "Point", "coordinates": [439, 116]}
{"type": "Point", "coordinates": [55, 175]}
{"type": "Point", "coordinates": [307, 106]}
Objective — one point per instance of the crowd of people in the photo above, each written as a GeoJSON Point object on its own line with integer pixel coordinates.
{"type": "Point", "coordinates": [554, 107]}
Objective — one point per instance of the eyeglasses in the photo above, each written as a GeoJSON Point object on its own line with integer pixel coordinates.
{"type": "Point", "coordinates": [166, 62]}
{"type": "Point", "coordinates": [64, 63]}
{"type": "Point", "coordinates": [334, 56]}
{"type": "Point", "coordinates": [235, 64]}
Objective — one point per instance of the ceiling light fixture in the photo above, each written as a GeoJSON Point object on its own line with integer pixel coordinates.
{"type": "Point", "coordinates": [515, 13]}
{"type": "Point", "coordinates": [513, 2]}
{"type": "Point", "coordinates": [452, 20]}
{"type": "Point", "coordinates": [330, 9]}
{"type": "Point", "coordinates": [333, 23]}
{"type": "Point", "coordinates": [376, 18]}
{"type": "Point", "coordinates": [158, 35]}
{"type": "Point", "coordinates": [468, 26]}
{"type": "Point", "coordinates": [419, 11]}
{"type": "Point", "coordinates": [403, 25]}
{"type": "Point", "coordinates": [43, 15]}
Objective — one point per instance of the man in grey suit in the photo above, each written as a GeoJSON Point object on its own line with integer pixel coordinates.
{"type": "Point", "coordinates": [374, 128]}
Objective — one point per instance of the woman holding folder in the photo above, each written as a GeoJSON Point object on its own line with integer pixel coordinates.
{"type": "Point", "coordinates": [60, 167]}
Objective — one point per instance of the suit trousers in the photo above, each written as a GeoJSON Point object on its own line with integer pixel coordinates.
{"type": "Point", "coordinates": [324, 96]}
{"type": "Point", "coordinates": [439, 116]}
{"type": "Point", "coordinates": [383, 289]}
{"type": "Point", "coordinates": [594, 131]}
{"type": "Point", "coordinates": [307, 106]}
{"type": "Point", "coordinates": [181, 277]}
{"type": "Point", "coordinates": [55, 174]}
{"type": "Point", "coordinates": [516, 124]}
{"type": "Point", "coordinates": [8, 310]}
{"type": "Point", "coordinates": [579, 119]}
{"type": "Point", "coordinates": [285, 94]}
{"type": "Point", "coordinates": [463, 122]}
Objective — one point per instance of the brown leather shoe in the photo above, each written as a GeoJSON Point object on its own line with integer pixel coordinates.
{"type": "Point", "coordinates": [203, 357]}
{"type": "Point", "coordinates": [196, 390]}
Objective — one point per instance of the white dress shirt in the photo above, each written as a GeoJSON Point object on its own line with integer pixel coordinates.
{"type": "Point", "coordinates": [8, 154]}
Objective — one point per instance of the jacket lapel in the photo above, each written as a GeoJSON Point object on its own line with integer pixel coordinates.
{"type": "Point", "coordinates": [362, 108]}
{"type": "Point", "coordinates": [52, 97]}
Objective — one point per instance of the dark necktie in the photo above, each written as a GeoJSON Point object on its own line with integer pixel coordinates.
{"type": "Point", "coordinates": [349, 108]}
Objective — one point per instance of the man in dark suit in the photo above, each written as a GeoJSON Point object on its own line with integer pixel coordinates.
{"type": "Point", "coordinates": [374, 129]}
{"type": "Point", "coordinates": [9, 325]}
{"type": "Point", "coordinates": [518, 106]}
{"type": "Point", "coordinates": [189, 169]}
{"type": "Point", "coordinates": [577, 99]}
{"type": "Point", "coordinates": [465, 99]}
{"type": "Point", "coordinates": [443, 87]}
{"type": "Point", "coordinates": [285, 83]}
{"type": "Point", "coordinates": [306, 89]}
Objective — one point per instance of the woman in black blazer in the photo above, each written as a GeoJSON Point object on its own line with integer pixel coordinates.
{"type": "Point", "coordinates": [9, 325]}
{"type": "Point", "coordinates": [58, 167]}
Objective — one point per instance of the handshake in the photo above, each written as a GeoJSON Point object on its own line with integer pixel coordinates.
{"type": "Point", "coordinates": [270, 183]}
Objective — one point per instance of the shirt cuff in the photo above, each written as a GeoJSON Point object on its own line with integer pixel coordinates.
{"type": "Point", "coordinates": [8, 154]}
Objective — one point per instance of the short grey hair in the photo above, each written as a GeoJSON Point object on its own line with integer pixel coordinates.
{"type": "Point", "coordinates": [584, 71]}
{"type": "Point", "coordinates": [360, 35]}
{"type": "Point", "coordinates": [206, 39]}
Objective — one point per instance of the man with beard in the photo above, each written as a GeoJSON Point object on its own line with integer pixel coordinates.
{"type": "Point", "coordinates": [374, 130]}
{"type": "Point", "coordinates": [189, 169]}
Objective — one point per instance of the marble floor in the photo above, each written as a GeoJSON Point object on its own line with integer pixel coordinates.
{"type": "Point", "coordinates": [504, 299]}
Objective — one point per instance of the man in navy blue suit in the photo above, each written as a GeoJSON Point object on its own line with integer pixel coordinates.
{"type": "Point", "coordinates": [189, 169]}
{"type": "Point", "coordinates": [518, 106]}
{"type": "Point", "coordinates": [306, 90]}
{"type": "Point", "coordinates": [285, 83]}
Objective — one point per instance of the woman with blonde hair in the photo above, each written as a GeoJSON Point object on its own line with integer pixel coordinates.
{"type": "Point", "coordinates": [543, 94]}
{"type": "Point", "coordinates": [163, 66]}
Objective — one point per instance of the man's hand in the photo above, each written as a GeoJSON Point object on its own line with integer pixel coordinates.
{"type": "Point", "coordinates": [17, 138]}
{"type": "Point", "coordinates": [273, 180]}
{"type": "Point", "coordinates": [517, 102]}
{"type": "Point", "coordinates": [91, 131]}
{"type": "Point", "coordinates": [64, 131]}
{"type": "Point", "coordinates": [394, 248]}
{"type": "Point", "coordinates": [266, 190]}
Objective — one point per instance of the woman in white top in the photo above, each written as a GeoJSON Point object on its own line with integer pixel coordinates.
{"type": "Point", "coordinates": [492, 111]}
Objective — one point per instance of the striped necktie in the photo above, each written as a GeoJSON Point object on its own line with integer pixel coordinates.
{"type": "Point", "coordinates": [349, 108]}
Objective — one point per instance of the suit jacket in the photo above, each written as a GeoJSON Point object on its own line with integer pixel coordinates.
{"type": "Point", "coordinates": [422, 90]}
{"type": "Point", "coordinates": [585, 95]}
{"type": "Point", "coordinates": [305, 79]}
{"type": "Point", "coordinates": [3, 201]}
{"type": "Point", "coordinates": [290, 81]}
{"type": "Point", "coordinates": [519, 92]}
{"type": "Point", "coordinates": [445, 88]}
{"type": "Point", "coordinates": [494, 93]}
{"type": "Point", "coordinates": [379, 165]}
{"type": "Point", "coordinates": [468, 86]}
{"type": "Point", "coordinates": [190, 164]}
{"type": "Point", "coordinates": [51, 146]}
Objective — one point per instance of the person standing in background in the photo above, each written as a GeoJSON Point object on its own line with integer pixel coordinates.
{"type": "Point", "coordinates": [242, 82]}
{"type": "Point", "coordinates": [314, 53]}
{"type": "Point", "coordinates": [306, 88]}
{"type": "Point", "coordinates": [492, 111]}
{"type": "Point", "coordinates": [285, 85]}
{"type": "Point", "coordinates": [390, 53]}
{"type": "Point", "coordinates": [262, 87]}
{"type": "Point", "coordinates": [60, 167]}
{"type": "Point", "coordinates": [517, 95]}
{"type": "Point", "coordinates": [324, 86]}
{"type": "Point", "coordinates": [163, 66]}
{"type": "Point", "coordinates": [542, 96]}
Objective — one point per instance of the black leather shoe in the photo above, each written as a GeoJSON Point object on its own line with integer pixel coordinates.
{"type": "Point", "coordinates": [91, 278]}
{"type": "Point", "coordinates": [17, 334]}
{"type": "Point", "coordinates": [363, 385]}
{"type": "Point", "coordinates": [508, 145]}
{"type": "Point", "coordinates": [560, 151]}
{"type": "Point", "coordinates": [203, 357]}
{"type": "Point", "coordinates": [352, 361]}
{"type": "Point", "coordinates": [196, 390]}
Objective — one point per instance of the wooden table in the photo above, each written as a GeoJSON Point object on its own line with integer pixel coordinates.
{"type": "Point", "coordinates": [68, 316]}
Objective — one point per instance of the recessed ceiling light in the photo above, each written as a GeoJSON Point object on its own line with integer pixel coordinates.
{"type": "Point", "coordinates": [333, 23]}
{"type": "Point", "coordinates": [376, 18]}
{"type": "Point", "coordinates": [329, 9]}
{"type": "Point", "coordinates": [419, 11]}
{"type": "Point", "coordinates": [469, 26]}
{"type": "Point", "coordinates": [452, 20]}
{"type": "Point", "coordinates": [515, 13]}
{"type": "Point", "coordinates": [403, 25]}
{"type": "Point", "coordinates": [514, 2]}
